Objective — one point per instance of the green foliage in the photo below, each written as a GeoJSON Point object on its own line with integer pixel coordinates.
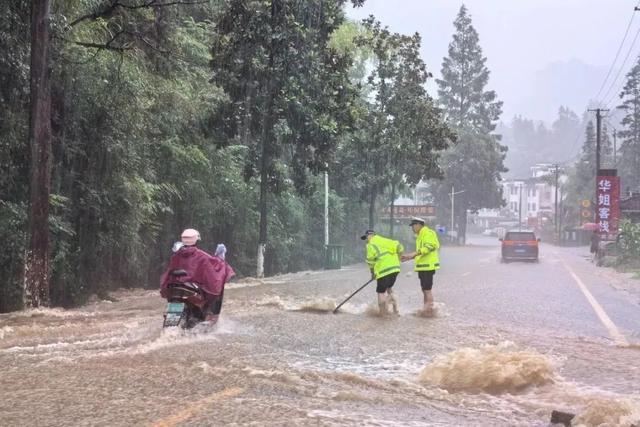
{"type": "Point", "coordinates": [402, 129]}
{"type": "Point", "coordinates": [629, 242]}
{"type": "Point", "coordinates": [474, 166]}
{"type": "Point", "coordinates": [629, 151]}
{"type": "Point", "coordinates": [532, 142]}
{"type": "Point", "coordinates": [159, 117]}
{"type": "Point", "coordinates": [13, 218]}
{"type": "Point", "coordinates": [289, 91]}
{"type": "Point", "coordinates": [14, 152]}
{"type": "Point", "coordinates": [464, 78]}
{"type": "Point", "coordinates": [139, 153]}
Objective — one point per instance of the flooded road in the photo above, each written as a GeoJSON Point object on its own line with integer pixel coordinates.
{"type": "Point", "coordinates": [509, 344]}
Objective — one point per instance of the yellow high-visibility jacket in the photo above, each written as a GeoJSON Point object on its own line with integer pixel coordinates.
{"type": "Point", "coordinates": [427, 245]}
{"type": "Point", "coordinates": [383, 256]}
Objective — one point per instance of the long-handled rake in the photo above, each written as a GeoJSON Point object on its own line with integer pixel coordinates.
{"type": "Point", "coordinates": [358, 290]}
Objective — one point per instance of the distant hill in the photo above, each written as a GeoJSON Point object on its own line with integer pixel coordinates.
{"type": "Point", "coordinates": [570, 83]}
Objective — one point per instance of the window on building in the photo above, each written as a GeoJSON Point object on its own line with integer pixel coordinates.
{"type": "Point", "coordinates": [533, 206]}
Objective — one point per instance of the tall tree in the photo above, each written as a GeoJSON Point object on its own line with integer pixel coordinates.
{"type": "Point", "coordinates": [581, 182]}
{"type": "Point", "coordinates": [564, 128]}
{"type": "Point", "coordinates": [531, 143]}
{"type": "Point", "coordinates": [586, 167]}
{"type": "Point", "coordinates": [474, 165]}
{"type": "Point", "coordinates": [14, 149]}
{"type": "Point", "coordinates": [374, 147]}
{"type": "Point", "coordinates": [465, 75]}
{"type": "Point", "coordinates": [36, 275]}
{"type": "Point", "coordinates": [406, 129]}
{"type": "Point", "coordinates": [287, 88]}
{"type": "Point", "coordinates": [629, 163]}
{"type": "Point", "coordinates": [419, 132]}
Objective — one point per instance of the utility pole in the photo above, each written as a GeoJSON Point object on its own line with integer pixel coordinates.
{"type": "Point", "coordinates": [555, 222]}
{"type": "Point", "coordinates": [326, 208]}
{"type": "Point", "coordinates": [615, 149]}
{"type": "Point", "coordinates": [453, 195]}
{"type": "Point", "coordinates": [452, 210]}
{"type": "Point", "coordinates": [520, 210]}
{"type": "Point", "coordinates": [560, 220]}
{"type": "Point", "coordinates": [598, 112]}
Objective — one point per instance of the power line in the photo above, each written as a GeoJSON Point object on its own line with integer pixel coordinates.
{"type": "Point", "coordinates": [624, 38]}
{"type": "Point", "coordinates": [624, 63]}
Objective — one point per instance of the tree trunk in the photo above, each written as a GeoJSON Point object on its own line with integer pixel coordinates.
{"type": "Point", "coordinates": [262, 238]}
{"type": "Point", "coordinates": [463, 227]}
{"type": "Point", "coordinates": [36, 270]}
{"type": "Point", "coordinates": [461, 216]}
{"type": "Point", "coordinates": [161, 18]}
{"type": "Point", "coordinates": [393, 203]}
{"type": "Point", "coordinates": [267, 136]}
{"type": "Point", "coordinates": [372, 207]}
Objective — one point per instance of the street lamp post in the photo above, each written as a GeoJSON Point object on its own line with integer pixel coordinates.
{"type": "Point", "coordinates": [326, 208]}
{"type": "Point", "coordinates": [453, 194]}
{"type": "Point", "coordinates": [520, 208]}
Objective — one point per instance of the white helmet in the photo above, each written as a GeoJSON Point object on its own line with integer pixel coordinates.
{"type": "Point", "coordinates": [190, 237]}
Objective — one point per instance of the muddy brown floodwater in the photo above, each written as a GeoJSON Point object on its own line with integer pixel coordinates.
{"type": "Point", "coordinates": [279, 357]}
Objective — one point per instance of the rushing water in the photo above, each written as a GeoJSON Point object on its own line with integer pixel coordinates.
{"type": "Point", "coordinates": [279, 357]}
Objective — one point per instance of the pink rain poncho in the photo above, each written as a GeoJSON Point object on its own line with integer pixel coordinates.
{"type": "Point", "coordinates": [210, 272]}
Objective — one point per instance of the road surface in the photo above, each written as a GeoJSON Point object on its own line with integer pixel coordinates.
{"type": "Point", "coordinates": [509, 344]}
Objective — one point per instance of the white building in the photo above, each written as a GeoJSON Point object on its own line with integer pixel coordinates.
{"type": "Point", "coordinates": [421, 195]}
{"type": "Point", "coordinates": [533, 197]}
{"type": "Point", "coordinates": [542, 169]}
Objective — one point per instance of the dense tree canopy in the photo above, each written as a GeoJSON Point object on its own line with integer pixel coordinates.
{"type": "Point", "coordinates": [629, 164]}
{"type": "Point", "coordinates": [161, 116]}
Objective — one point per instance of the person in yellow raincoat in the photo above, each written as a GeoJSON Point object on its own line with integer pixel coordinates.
{"type": "Point", "coordinates": [427, 259]}
{"type": "Point", "coordinates": [383, 258]}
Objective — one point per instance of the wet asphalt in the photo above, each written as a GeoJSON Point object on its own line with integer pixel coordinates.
{"type": "Point", "coordinates": [280, 357]}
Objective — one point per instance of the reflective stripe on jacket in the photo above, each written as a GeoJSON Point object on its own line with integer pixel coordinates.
{"type": "Point", "coordinates": [383, 256]}
{"type": "Point", "coordinates": [427, 245]}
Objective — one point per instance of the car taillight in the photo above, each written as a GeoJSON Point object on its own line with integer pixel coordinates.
{"type": "Point", "coordinates": [520, 242]}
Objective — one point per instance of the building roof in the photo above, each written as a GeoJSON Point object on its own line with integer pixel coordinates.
{"type": "Point", "coordinates": [631, 203]}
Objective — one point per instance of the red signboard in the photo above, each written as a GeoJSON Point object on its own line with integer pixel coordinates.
{"type": "Point", "coordinates": [607, 203]}
{"type": "Point", "coordinates": [400, 211]}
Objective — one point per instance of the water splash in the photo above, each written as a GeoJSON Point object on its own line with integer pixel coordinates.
{"type": "Point", "coordinates": [47, 313]}
{"type": "Point", "coordinates": [272, 301]}
{"type": "Point", "coordinates": [317, 305]}
{"type": "Point", "coordinates": [493, 369]}
{"type": "Point", "coordinates": [438, 310]}
{"type": "Point", "coordinates": [609, 412]}
{"type": "Point", "coordinates": [5, 330]}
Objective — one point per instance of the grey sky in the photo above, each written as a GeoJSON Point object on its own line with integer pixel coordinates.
{"type": "Point", "coordinates": [541, 53]}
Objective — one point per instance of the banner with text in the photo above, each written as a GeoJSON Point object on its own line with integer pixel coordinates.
{"type": "Point", "coordinates": [407, 211]}
{"type": "Point", "coordinates": [607, 202]}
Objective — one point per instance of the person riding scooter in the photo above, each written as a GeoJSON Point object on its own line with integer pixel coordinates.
{"type": "Point", "coordinates": [209, 272]}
